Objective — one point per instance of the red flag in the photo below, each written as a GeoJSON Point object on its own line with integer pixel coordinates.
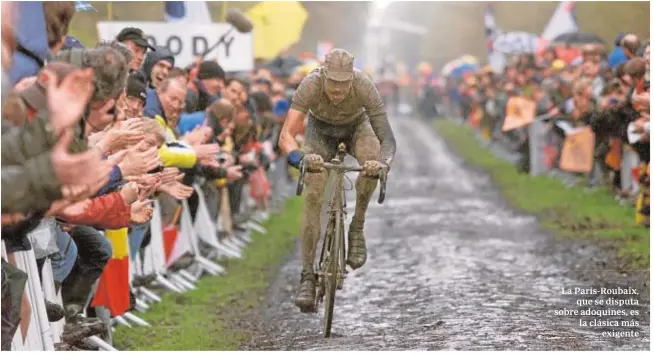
{"type": "Point", "coordinates": [113, 285]}
{"type": "Point", "coordinates": [169, 239]}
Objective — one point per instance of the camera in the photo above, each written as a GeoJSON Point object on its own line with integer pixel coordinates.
{"type": "Point", "coordinates": [222, 157]}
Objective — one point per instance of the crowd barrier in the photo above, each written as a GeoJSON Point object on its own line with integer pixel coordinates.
{"type": "Point", "coordinates": [199, 238]}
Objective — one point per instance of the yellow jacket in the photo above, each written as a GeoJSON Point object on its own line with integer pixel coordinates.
{"type": "Point", "coordinates": [174, 152]}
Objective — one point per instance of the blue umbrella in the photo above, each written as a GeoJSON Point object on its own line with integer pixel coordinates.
{"type": "Point", "coordinates": [460, 70]}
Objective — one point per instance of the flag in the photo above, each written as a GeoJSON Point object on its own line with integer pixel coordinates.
{"type": "Point", "coordinates": [195, 12]}
{"type": "Point", "coordinates": [113, 285]}
{"type": "Point", "coordinates": [495, 59]}
{"type": "Point", "coordinates": [170, 236]}
{"type": "Point", "coordinates": [81, 6]}
{"type": "Point", "coordinates": [562, 21]}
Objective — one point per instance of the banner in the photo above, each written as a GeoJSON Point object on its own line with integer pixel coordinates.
{"type": "Point", "coordinates": [516, 42]}
{"type": "Point", "coordinates": [234, 50]}
{"type": "Point", "coordinates": [519, 112]}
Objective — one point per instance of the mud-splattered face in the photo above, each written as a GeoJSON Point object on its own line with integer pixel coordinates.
{"type": "Point", "coordinates": [337, 90]}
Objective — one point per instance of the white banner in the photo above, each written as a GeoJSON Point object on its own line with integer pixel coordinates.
{"type": "Point", "coordinates": [516, 42]}
{"type": "Point", "coordinates": [234, 50]}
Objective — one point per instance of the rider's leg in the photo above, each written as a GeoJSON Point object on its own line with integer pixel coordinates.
{"type": "Point", "coordinates": [365, 146]}
{"type": "Point", "coordinates": [314, 189]}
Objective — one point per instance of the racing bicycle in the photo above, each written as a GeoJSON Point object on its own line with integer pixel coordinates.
{"type": "Point", "coordinates": [331, 271]}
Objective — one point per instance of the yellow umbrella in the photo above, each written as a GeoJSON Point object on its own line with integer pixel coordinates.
{"type": "Point", "coordinates": [277, 26]}
{"type": "Point", "coordinates": [469, 59]}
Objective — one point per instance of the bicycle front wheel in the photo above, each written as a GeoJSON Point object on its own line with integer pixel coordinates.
{"type": "Point", "coordinates": [332, 271]}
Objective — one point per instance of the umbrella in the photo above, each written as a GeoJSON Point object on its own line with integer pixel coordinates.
{"type": "Point", "coordinates": [449, 66]}
{"type": "Point", "coordinates": [285, 65]}
{"type": "Point", "coordinates": [462, 69]}
{"type": "Point", "coordinates": [578, 38]}
{"type": "Point", "coordinates": [468, 59]}
{"type": "Point", "coordinates": [277, 26]}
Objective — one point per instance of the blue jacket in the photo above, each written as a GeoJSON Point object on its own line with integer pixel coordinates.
{"type": "Point", "coordinates": [616, 57]}
{"type": "Point", "coordinates": [153, 105]}
{"type": "Point", "coordinates": [115, 180]}
{"type": "Point", "coordinates": [31, 34]}
{"type": "Point", "coordinates": [188, 121]}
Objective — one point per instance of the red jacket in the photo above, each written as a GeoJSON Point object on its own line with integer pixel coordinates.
{"type": "Point", "coordinates": [107, 211]}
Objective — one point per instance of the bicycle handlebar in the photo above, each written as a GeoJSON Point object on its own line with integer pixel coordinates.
{"type": "Point", "coordinates": [344, 168]}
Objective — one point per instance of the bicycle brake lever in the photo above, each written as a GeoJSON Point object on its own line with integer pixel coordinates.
{"type": "Point", "coordinates": [300, 180]}
{"type": "Point", "coordinates": [382, 186]}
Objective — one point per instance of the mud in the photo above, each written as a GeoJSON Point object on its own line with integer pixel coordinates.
{"type": "Point", "coordinates": [451, 266]}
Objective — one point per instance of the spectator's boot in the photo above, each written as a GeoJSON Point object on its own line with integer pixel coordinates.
{"type": "Point", "coordinates": [75, 294]}
{"type": "Point", "coordinates": [132, 301]}
{"type": "Point", "coordinates": [76, 332]}
{"type": "Point", "coordinates": [54, 311]}
{"type": "Point", "coordinates": [85, 344]}
{"type": "Point", "coordinates": [306, 294]}
{"type": "Point", "coordinates": [63, 347]}
{"type": "Point", "coordinates": [143, 280]}
{"type": "Point", "coordinates": [182, 263]}
{"type": "Point", "coordinates": [356, 249]}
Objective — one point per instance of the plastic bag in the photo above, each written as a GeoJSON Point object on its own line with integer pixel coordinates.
{"type": "Point", "coordinates": [44, 238]}
{"type": "Point", "coordinates": [259, 185]}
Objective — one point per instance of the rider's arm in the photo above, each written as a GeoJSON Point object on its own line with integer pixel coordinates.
{"type": "Point", "coordinates": [374, 106]}
{"type": "Point", "coordinates": [292, 127]}
{"type": "Point", "coordinates": [303, 97]}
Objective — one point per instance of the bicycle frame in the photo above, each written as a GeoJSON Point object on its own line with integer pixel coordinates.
{"type": "Point", "coordinates": [331, 267]}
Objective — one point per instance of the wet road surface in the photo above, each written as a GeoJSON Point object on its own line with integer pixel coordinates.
{"type": "Point", "coordinates": [450, 266]}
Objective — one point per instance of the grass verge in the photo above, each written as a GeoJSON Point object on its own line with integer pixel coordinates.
{"type": "Point", "coordinates": [204, 319]}
{"type": "Point", "coordinates": [570, 212]}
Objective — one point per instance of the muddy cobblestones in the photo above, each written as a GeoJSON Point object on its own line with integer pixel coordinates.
{"type": "Point", "coordinates": [450, 266]}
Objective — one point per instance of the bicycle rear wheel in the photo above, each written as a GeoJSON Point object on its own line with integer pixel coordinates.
{"type": "Point", "coordinates": [332, 270]}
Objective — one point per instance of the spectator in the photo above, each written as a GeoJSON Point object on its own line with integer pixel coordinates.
{"type": "Point", "coordinates": [630, 45]}
{"type": "Point", "coordinates": [261, 84]}
{"type": "Point", "coordinates": [157, 65]}
{"type": "Point", "coordinates": [618, 55]}
{"type": "Point", "coordinates": [206, 87]}
{"type": "Point", "coordinates": [167, 101]}
{"type": "Point", "coordinates": [135, 40]}
{"type": "Point", "coordinates": [58, 16]}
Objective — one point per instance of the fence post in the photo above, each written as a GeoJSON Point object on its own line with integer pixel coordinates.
{"type": "Point", "coordinates": [537, 131]}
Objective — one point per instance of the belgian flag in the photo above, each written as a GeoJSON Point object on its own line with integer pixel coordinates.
{"type": "Point", "coordinates": [113, 286]}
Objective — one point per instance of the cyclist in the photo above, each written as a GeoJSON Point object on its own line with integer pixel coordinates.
{"type": "Point", "coordinates": [342, 105]}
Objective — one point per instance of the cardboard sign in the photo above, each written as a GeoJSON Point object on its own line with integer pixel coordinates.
{"type": "Point", "coordinates": [578, 149]}
{"type": "Point", "coordinates": [614, 156]}
{"type": "Point", "coordinates": [519, 112]}
{"type": "Point", "coordinates": [234, 50]}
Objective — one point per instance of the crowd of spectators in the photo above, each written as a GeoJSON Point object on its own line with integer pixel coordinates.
{"type": "Point", "coordinates": [605, 91]}
{"type": "Point", "coordinates": [91, 136]}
